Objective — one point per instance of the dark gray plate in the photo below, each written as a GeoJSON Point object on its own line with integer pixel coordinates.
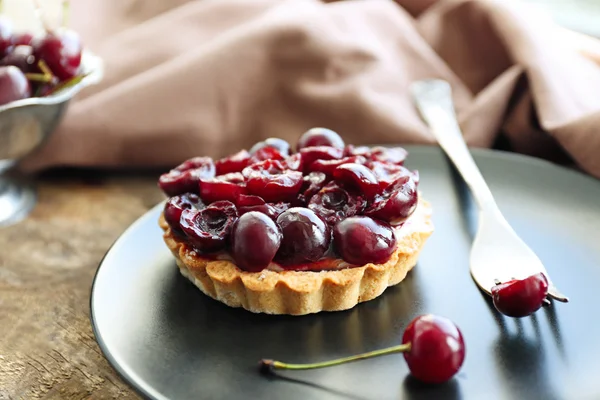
{"type": "Point", "coordinates": [168, 340]}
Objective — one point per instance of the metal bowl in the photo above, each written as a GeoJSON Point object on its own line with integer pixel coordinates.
{"type": "Point", "coordinates": [24, 126]}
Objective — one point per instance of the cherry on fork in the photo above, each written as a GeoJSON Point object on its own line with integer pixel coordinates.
{"type": "Point", "coordinates": [433, 348]}
{"type": "Point", "coordinates": [521, 297]}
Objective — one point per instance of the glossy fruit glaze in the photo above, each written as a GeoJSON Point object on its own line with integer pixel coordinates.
{"type": "Point", "coordinates": [326, 206]}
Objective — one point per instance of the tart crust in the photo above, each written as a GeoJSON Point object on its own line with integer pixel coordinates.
{"type": "Point", "coordinates": [300, 292]}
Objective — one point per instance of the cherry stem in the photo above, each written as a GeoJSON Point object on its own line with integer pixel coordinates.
{"type": "Point", "coordinates": [38, 77]}
{"type": "Point", "coordinates": [281, 365]}
{"type": "Point", "coordinates": [64, 13]}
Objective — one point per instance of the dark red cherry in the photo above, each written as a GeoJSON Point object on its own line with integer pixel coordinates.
{"type": "Point", "coordinates": [520, 297]}
{"type": "Point", "coordinates": [61, 50]}
{"type": "Point", "coordinates": [306, 237]}
{"type": "Point", "coordinates": [264, 154]}
{"type": "Point", "coordinates": [22, 58]}
{"type": "Point", "coordinates": [391, 155]}
{"type": "Point", "coordinates": [224, 187]}
{"type": "Point", "coordinates": [208, 229]}
{"type": "Point", "coordinates": [397, 202]}
{"type": "Point", "coordinates": [357, 177]}
{"type": "Point", "coordinates": [175, 206]}
{"type": "Point", "coordinates": [437, 348]}
{"type": "Point", "coordinates": [311, 154]}
{"type": "Point", "coordinates": [328, 166]}
{"type": "Point", "coordinates": [22, 39]}
{"type": "Point", "coordinates": [311, 185]}
{"type": "Point", "coordinates": [278, 144]}
{"type": "Point", "coordinates": [270, 180]}
{"type": "Point", "coordinates": [186, 177]}
{"type": "Point", "coordinates": [362, 240]}
{"type": "Point", "coordinates": [320, 137]}
{"type": "Point", "coordinates": [351, 150]}
{"type": "Point", "coordinates": [333, 204]}
{"type": "Point", "coordinates": [271, 210]}
{"type": "Point", "coordinates": [255, 241]}
{"type": "Point", "coordinates": [387, 173]}
{"type": "Point", "coordinates": [6, 35]}
{"type": "Point", "coordinates": [234, 163]}
{"type": "Point", "coordinates": [13, 85]}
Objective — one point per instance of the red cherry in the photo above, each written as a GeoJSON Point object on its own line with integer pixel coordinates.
{"type": "Point", "coordinates": [255, 241]}
{"type": "Point", "coordinates": [363, 240]}
{"type": "Point", "coordinates": [208, 229]}
{"type": "Point", "coordinates": [520, 297]}
{"type": "Point", "coordinates": [387, 173]}
{"type": "Point", "coordinates": [13, 85]}
{"type": "Point", "coordinates": [294, 162]}
{"type": "Point", "coordinates": [234, 163]}
{"type": "Point", "coordinates": [357, 177]}
{"type": "Point", "coordinates": [22, 39]}
{"type": "Point", "coordinates": [175, 206]}
{"type": "Point", "coordinates": [311, 154]}
{"type": "Point", "coordinates": [224, 187]}
{"type": "Point", "coordinates": [397, 202]}
{"type": "Point", "coordinates": [278, 144]}
{"type": "Point", "coordinates": [328, 166]}
{"type": "Point", "coordinates": [185, 177]}
{"type": "Point", "coordinates": [272, 181]}
{"type": "Point", "coordinates": [265, 153]}
{"type": "Point", "coordinates": [392, 155]}
{"type": "Point", "coordinates": [320, 137]}
{"type": "Point", "coordinates": [61, 51]}
{"type": "Point", "coordinates": [22, 58]}
{"type": "Point", "coordinates": [437, 348]}
{"type": "Point", "coordinates": [433, 348]}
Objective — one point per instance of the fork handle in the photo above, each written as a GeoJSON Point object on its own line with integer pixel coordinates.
{"type": "Point", "coordinates": [433, 99]}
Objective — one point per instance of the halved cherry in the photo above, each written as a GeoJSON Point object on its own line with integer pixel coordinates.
{"type": "Point", "coordinates": [208, 229]}
{"type": "Point", "coordinates": [224, 187]}
{"type": "Point", "coordinates": [234, 163]}
{"type": "Point", "coordinates": [294, 162]}
{"type": "Point", "coordinates": [311, 184]}
{"type": "Point", "coordinates": [278, 144]}
{"type": "Point", "coordinates": [397, 202]}
{"type": "Point", "coordinates": [311, 154]}
{"type": "Point", "coordinates": [387, 173]}
{"type": "Point", "coordinates": [272, 181]}
{"type": "Point", "coordinates": [185, 177]}
{"type": "Point", "coordinates": [392, 155]}
{"type": "Point", "coordinates": [357, 177]}
{"type": "Point", "coordinates": [175, 206]}
{"type": "Point", "coordinates": [333, 204]}
{"type": "Point", "coordinates": [265, 153]}
{"type": "Point", "coordinates": [328, 166]}
{"type": "Point", "coordinates": [320, 137]}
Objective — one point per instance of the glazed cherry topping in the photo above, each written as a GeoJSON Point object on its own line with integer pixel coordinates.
{"type": "Point", "coordinates": [13, 85]}
{"type": "Point", "coordinates": [311, 185]}
{"type": "Point", "coordinates": [520, 297]}
{"type": "Point", "coordinates": [320, 137]}
{"type": "Point", "coordinates": [249, 203]}
{"type": "Point", "coordinates": [272, 181]}
{"type": "Point", "coordinates": [328, 166]}
{"type": "Point", "coordinates": [186, 177]}
{"type": "Point", "coordinates": [311, 154]}
{"type": "Point", "coordinates": [278, 144]}
{"type": "Point", "coordinates": [437, 348]}
{"type": "Point", "coordinates": [175, 206]}
{"type": "Point", "coordinates": [61, 50]}
{"type": "Point", "coordinates": [224, 187]}
{"type": "Point", "coordinates": [357, 177]}
{"type": "Point", "coordinates": [234, 163]}
{"type": "Point", "coordinates": [362, 240]}
{"type": "Point", "coordinates": [255, 241]}
{"type": "Point", "coordinates": [396, 203]}
{"type": "Point", "coordinates": [306, 237]}
{"type": "Point", "coordinates": [351, 150]}
{"type": "Point", "coordinates": [392, 155]}
{"type": "Point", "coordinates": [208, 229]}
{"type": "Point", "coordinates": [433, 348]}
{"type": "Point", "coordinates": [333, 204]}
{"type": "Point", "coordinates": [264, 154]}
{"type": "Point", "coordinates": [387, 173]}
{"type": "Point", "coordinates": [294, 162]}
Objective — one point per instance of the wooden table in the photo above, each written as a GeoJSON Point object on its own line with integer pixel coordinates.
{"type": "Point", "coordinates": [47, 264]}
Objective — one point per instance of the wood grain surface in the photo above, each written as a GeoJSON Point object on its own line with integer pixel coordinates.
{"type": "Point", "coordinates": [47, 264]}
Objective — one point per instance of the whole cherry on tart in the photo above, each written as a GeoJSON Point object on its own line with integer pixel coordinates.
{"type": "Point", "coordinates": [270, 180]}
{"type": "Point", "coordinates": [61, 51]}
{"type": "Point", "coordinates": [224, 187]}
{"type": "Point", "coordinates": [521, 297]}
{"type": "Point", "coordinates": [208, 229]}
{"type": "Point", "coordinates": [306, 237]}
{"type": "Point", "coordinates": [333, 203]}
{"type": "Point", "coordinates": [433, 348]}
{"type": "Point", "coordinates": [280, 145]}
{"type": "Point", "coordinates": [13, 85]}
{"type": "Point", "coordinates": [320, 137]}
{"type": "Point", "coordinates": [174, 208]}
{"type": "Point", "coordinates": [255, 239]}
{"type": "Point", "coordinates": [362, 240]}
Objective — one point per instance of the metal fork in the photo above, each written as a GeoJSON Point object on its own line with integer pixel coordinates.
{"type": "Point", "coordinates": [498, 254]}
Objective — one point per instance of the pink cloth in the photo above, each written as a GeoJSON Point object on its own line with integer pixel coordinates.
{"type": "Point", "coordinates": [186, 78]}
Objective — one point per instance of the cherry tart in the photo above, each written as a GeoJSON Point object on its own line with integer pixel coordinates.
{"type": "Point", "coordinates": [281, 232]}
